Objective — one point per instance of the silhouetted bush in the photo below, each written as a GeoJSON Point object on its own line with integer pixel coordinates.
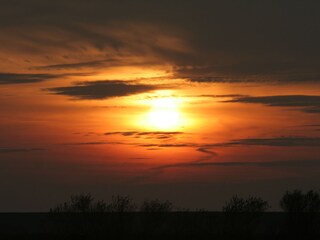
{"type": "Point", "coordinates": [242, 215]}
{"type": "Point", "coordinates": [150, 206]}
{"type": "Point", "coordinates": [82, 203]}
{"type": "Point", "coordinates": [301, 209]}
{"type": "Point", "coordinates": [249, 205]}
{"type": "Point", "coordinates": [298, 202]}
{"type": "Point", "coordinates": [121, 204]}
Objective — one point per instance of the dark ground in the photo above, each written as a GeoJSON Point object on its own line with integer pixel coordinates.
{"type": "Point", "coordinates": [174, 225]}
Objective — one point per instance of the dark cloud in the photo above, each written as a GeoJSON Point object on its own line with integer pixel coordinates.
{"type": "Point", "coordinates": [217, 95]}
{"type": "Point", "coordinates": [273, 142]}
{"type": "Point", "coordinates": [103, 89]}
{"type": "Point", "coordinates": [306, 103]}
{"type": "Point", "coordinates": [271, 77]}
{"type": "Point", "coordinates": [92, 143]}
{"type": "Point", "coordinates": [128, 133]}
{"type": "Point", "coordinates": [19, 150]}
{"type": "Point", "coordinates": [207, 151]}
{"type": "Point", "coordinates": [272, 164]}
{"type": "Point", "coordinates": [312, 109]}
{"type": "Point", "coordinates": [222, 95]}
{"type": "Point", "coordinates": [282, 100]}
{"type": "Point", "coordinates": [169, 145]}
{"type": "Point", "coordinates": [16, 78]}
{"type": "Point", "coordinates": [205, 41]}
{"type": "Point", "coordinates": [278, 142]}
{"type": "Point", "coordinates": [79, 65]}
{"type": "Point", "coordinates": [156, 134]}
{"type": "Point", "coordinates": [97, 64]}
{"type": "Point", "coordinates": [209, 154]}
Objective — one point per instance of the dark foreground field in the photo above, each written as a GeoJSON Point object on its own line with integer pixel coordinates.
{"type": "Point", "coordinates": [174, 225]}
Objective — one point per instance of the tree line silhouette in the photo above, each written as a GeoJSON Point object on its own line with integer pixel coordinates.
{"type": "Point", "coordinates": [85, 203]}
{"type": "Point", "coordinates": [240, 218]}
{"type": "Point", "coordinates": [84, 217]}
{"type": "Point", "coordinates": [292, 202]}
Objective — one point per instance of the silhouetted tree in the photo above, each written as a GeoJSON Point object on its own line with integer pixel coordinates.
{"type": "Point", "coordinates": [100, 206]}
{"type": "Point", "coordinates": [80, 203]}
{"type": "Point", "coordinates": [298, 202]}
{"type": "Point", "coordinates": [154, 216]}
{"type": "Point", "coordinates": [242, 215]}
{"type": "Point", "coordinates": [301, 209]}
{"type": "Point", "coordinates": [249, 205]}
{"type": "Point", "coordinates": [312, 199]}
{"type": "Point", "coordinates": [121, 204]}
{"type": "Point", "coordinates": [156, 206]}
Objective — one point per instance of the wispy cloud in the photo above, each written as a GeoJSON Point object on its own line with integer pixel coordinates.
{"type": "Point", "coordinates": [277, 142]}
{"type": "Point", "coordinates": [78, 65]}
{"type": "Point", "coordinates": [207, 151]}
{"type": "Point", "coordinates": [271, 164]}
{"type": "Point", "coordinates": [155, 134]}
{"type": "Point", "coordinates": [281, 100]}
{"type": "Point", "coordinates": [19, 150]}
{"type": "Point", "coordinates": [273, 142]}
{"type": "Point", "coordinates": [208, 148]}
{"type": "Point", "coordinates": [19, 78]}
{"type": "Point", "coordinates": [94, 143]}
{"type": "Point", "coordinates": [306, 103]}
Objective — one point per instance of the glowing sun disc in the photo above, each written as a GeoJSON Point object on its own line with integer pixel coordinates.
{"type": "Point", "coordinates": [164, 114]}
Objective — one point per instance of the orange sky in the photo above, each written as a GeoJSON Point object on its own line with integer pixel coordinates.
{"type": "Point", "coordinates": [136, 104]}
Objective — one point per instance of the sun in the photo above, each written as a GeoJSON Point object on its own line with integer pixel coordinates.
{"type": "Point", "coordinates": [164, 114]}
{"type": "Point", "coordinates": [163, 111]}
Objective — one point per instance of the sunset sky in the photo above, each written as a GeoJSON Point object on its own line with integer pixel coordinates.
{"type": "Point", "coordinates": [191, 101]}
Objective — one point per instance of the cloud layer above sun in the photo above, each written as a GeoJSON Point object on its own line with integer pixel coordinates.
{"type": "Point", "coordinates": [211, 41]}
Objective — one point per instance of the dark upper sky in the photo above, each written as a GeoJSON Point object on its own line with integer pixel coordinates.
{"type": "Point", "coordinates": [203, 40]}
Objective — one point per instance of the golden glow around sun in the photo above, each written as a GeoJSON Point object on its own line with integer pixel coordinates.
{"type": "Point", "coordinates": [164, 114]}
{"type": "Point", "coordinates": [164, 110]}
